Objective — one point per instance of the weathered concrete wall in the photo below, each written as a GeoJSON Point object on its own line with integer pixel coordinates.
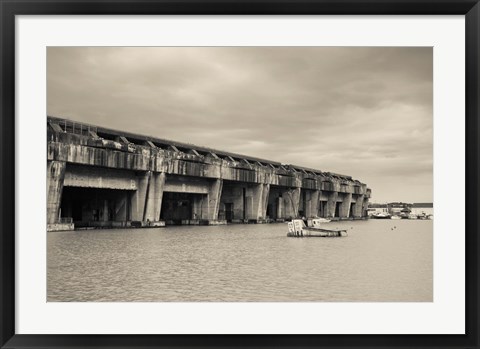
{"type": "Point", "coordinates": [233, 194]}
{"type": "Point", "coordinates": [169, 162]}
{"type": "Point", "coordinates": [139, 197]}
{"type": "Point", "coordinates": [154, 197]}
{"type": "Point", "coordinates": [257, 197]}
{"type": "Point", "coordinates": [197, 207]}
{"type": "Point", "coordinates": [214, 194]}
{"type": "Point", "coordinates": [262, 214]}
{"type": "Point", "coordinates": [275, 203]}
{"type": "Point", "coordinates": [331, 203]}
{"type": "Point", "coordinates": [359, 209]}
{"type": "Point", "coordinates": [84, 155]}
{"type": "Point", "coordinates": [312, 203]}
{"type": "Point", "coordinates": [97, 177]}
{"type": "Point", "coordinates": [177, 184]}
{"type": "Point", "coordinates": [365, 206]}
{"type": "Point", "coordinates": [291, 203]}
{"type": "Point", "coordinates": [55, 180]}
{"type": "Point", "coordinates": [345, 206]}
{"type": "Point", "coordinates": [121, 208]}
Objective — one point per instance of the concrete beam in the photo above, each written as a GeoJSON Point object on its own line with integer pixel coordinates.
{"type": "Point", "coordinates": [55, 180]}
{"type": "Point", "coordinates": [192, 185]}
{"type": "Point", "coordinates": [102, 157]}
{"type": "Point", "coordinates": [194, 152]}
{"type": "Point", "coordinates": [55, 127]}
{"type": "Point", "coordinates": [151, 145]}
{"type": "Point", "coordinates": [96, 177]}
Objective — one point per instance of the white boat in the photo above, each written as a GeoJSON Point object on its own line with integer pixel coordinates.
{"type": "Point", "coordinates": [380, 215]}
{"type": "Point", "coordinates": [315, 222]}
{"type": "Point", "coordinates": [298, 228]}
{"type": "Point", "coordinates": [424, 216]}
{"type": "Point", "coordinates": [395, 217]}
{"type": "Point", "coordinates": [405, 213]}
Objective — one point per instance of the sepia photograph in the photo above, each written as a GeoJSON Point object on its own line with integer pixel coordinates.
{"type": "Point", "coordinates": [239, 174]}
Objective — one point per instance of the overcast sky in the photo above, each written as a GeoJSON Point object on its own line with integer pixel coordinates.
{"type": "Point", "coordinates": [364, 112]}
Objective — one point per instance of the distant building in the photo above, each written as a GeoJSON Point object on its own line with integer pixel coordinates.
{"type": "Point", "coordinates": [397, 208]}
{"type": "Point", "coordinates": [423, 204]}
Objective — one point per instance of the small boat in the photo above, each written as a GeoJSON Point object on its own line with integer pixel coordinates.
{"type": "Point", "coordinates": [405, 213]}
{"type": "Point", "coordinates": [298, 228]}
{"type": "Point", "coordinates": [395, 217]}
{"type": "Point", "coordinates": [315, 222]}
{"type": "Point", "coordinates": [424, 216]}
{"type": "Point", "coordinates": [380, 215]}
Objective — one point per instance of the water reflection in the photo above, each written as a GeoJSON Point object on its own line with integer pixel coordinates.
{"type": "Point", "coordinates": [376, 262]}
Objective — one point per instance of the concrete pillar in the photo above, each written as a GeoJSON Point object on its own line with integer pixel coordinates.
{"type": "Point", "coordinates": [198, 207]}
{"type": "Point", "coordinates": [238, 203]}
{"type": "Point", "coordinates": [105, 211]}
{"type": "Point", "coordinates": [345, 205]}
{"type": "Point", "coordinates": [139, 196]}
{"type": "Point", "coordinates": [55, 178]}
{"type": "Point", "coordinates": [154, 197]}
{"type": "Point", "coordinates": [264, 201]}
{"type": "Point", "coordinates": [331, 203]}
{"type": "Point", "coordinates": [280, 209]}
{"type": "Point", "coordinates": [121, 208]}
{"type": "Point", "coordinates": [365, 207]}
{"type": "Point", "coordinates": [322, 208]}
{"type": "Point", "coordinates": [214, 195]}
{"type": "Point", "coordinates": [312, 202]}
{"type": "Point", "coordinates": [292, 202]}
{"type": "Point", "coordinates": [359, 206]}
{"type": "Point", "coordinates": [259, 201]}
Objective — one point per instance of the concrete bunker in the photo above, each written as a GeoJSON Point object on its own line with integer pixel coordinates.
{"type": "Point", "coordinates": [106, 178]}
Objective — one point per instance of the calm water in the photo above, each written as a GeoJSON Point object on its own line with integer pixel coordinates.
{"type": "Point", "coordinates": [376, 262]}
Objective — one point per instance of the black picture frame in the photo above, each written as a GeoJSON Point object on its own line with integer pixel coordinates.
{"type": "Point", "coordinates": [11, 8]}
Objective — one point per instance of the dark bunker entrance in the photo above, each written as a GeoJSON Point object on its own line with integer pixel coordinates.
{"type": "Point", "coordinates": [183, 208]}
{"type": "Point", "coordinates": [94, 207]}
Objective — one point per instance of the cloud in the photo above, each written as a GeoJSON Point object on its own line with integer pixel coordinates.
{"type": "Point", "coordinates": [366, 112]}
